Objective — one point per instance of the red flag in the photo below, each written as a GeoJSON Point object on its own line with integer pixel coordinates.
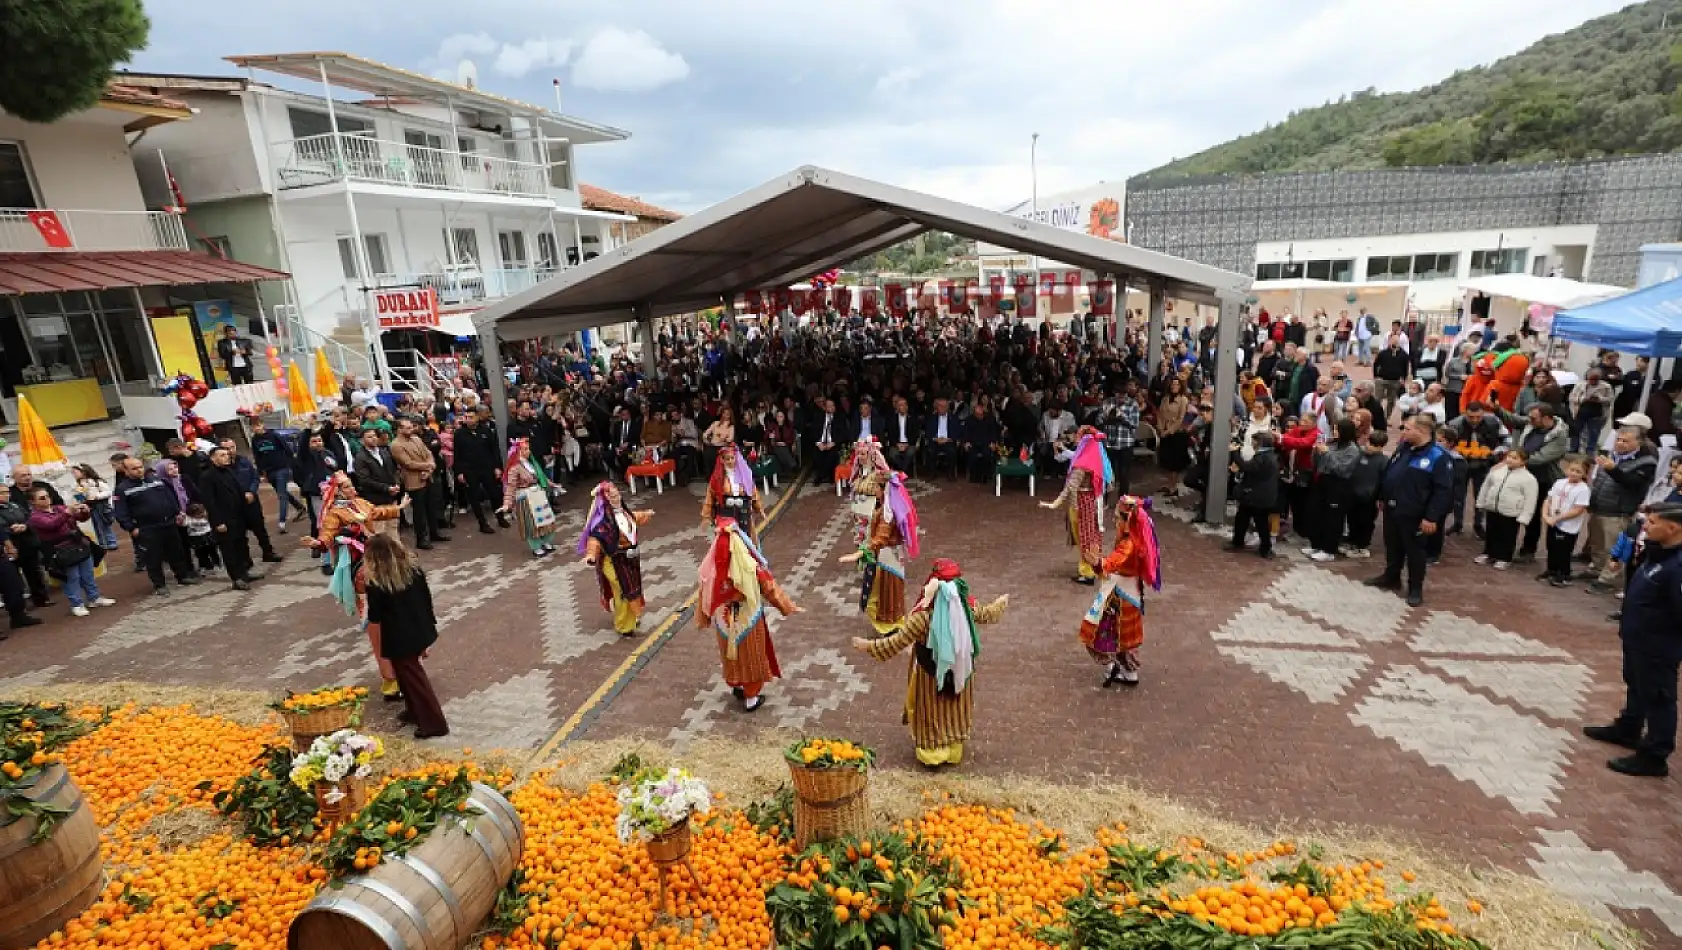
{"type": "Point", "coordinates": [972, 293]}
{"type": "Point", "coordinates": [953, 294]}
{"type": "Point", "coordinates": [1048, 284]}
{"type": "Point", "coordinates": [1071, 280]}
{"type": "Point", "coordinates": [896, 299]}
{"type": "Point", "coordinates": [51, 229]}
{"type": "Point", "coordinates": [996, 288]}
{"type": "Point", "coordinates": [1027, 298]}
{"type": "Point", "coordinates": [817, 299]}
{"type": "Point", "coordinates": [755, 301]}
{"type": "Point", "coordinates": [798, 301]}
{"type": "Point", "coordinates": [843, 301]}
{"type": "Point", "coordinates": [779, 299]}
{"type": "Point", "coordinates": [870, 302]}
{"type": "Point", "coordinates": [1103, 298]}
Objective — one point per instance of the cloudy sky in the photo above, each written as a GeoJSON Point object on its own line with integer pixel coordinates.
{"type": "Point", "coordinates": [937, 95]}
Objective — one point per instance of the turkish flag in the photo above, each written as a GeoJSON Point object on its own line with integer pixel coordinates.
{"type": "Point", "coordinates": [1048, 284]}
{"type": "Point", "coordinates": [1071, 280]}
{"type": "Point", "coordinates": [52, 230]}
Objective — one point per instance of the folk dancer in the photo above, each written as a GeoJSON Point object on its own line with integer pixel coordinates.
{"type": "Point", "coordinates": [1114, 626]}
{"type": "Point", "coordinates": [869, 474]}
{"type": "Point", "coordinates": [1083, 492]}
{"type": "Point", "coordinates": [609, 544]}
{"type": "Point", "coordinates": [731, 494]}
{"type": "Point", "coordinates": [346, 524]}
{"type": "Point", "coordinates": [736, 588]}
{"type": "Point", "coordinates": [891, 537]}
{"type": "Point", "coordinates": [939, 700]}
{"type": "Point", "coordinates": [520, 473]}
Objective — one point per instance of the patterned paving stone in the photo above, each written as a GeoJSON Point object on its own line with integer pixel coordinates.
{"type": "Point", "coordinates": [1451, 633]}
{"type": "Point", "coordinates": [1264, 623]}
{"type": "Point", "coordinates": [1600, 879]}
{"type": "Point", "coordinates": [1369, 614]}
{"type": "Point", "coordinates": [163, 619]}
{"type": "Point", "coordinates": [517, 713]}
{"type": "Point", "coordinates": [1321, 675]}
{"type": "Point", "coordinates": [1506, 754]}
{"type": "Point", "coordinates": [323, 657]}
{"type": "Point", "coordinates": [40, 677]}
{"type": "Point", "coordinates": [1555, 689]}
{"type": "Point", "coordinates": [269, 601]}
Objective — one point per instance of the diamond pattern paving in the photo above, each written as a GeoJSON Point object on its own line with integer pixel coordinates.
{"type": "Point", "coordinates": [1323, 676]}
{"type": "Point", "coordinates": [1450, 633]}
{"type": "Point", "coordinates": [1371, 615]}
{"type": "Point", "coordinates": [1555, 689]}
{"type": "Point", "coordinates": [1600, 879]}
{"type": "Point", "coordinates": [1265, 623]}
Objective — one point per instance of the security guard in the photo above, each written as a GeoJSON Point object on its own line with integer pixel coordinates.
{"type": "Point", "coordinates": [1651, 630]}
{"type": "Point", "coordinates": [1417, 493]}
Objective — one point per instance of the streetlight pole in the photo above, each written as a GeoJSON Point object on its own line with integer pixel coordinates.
{"type": "Point", "coordinates": [1034, 185]}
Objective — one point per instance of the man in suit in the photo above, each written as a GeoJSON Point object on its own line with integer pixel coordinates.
{"type": "Point", "coordinates": [941, 435]}
{"type": "Point", "coordinates": [416, 465]}
{"type": "Point", "coordinates": [374, 473]}
{"type": "Point", "coordinates": [824, 441]}
{"type": "Point", "coordinates": [867, 425]}
{"type": "Point", "coordinates": [226, 507]}
{"type": "Point", "coordinates": [624, 441]}
{"type": "Point", "coordinates": [981, 434]}
{"type": "Point", "coordinates": [339, 440]}
{"type": "Point", "coordinates": [903, 432]}
{"type": "Point", "coordinates": [245, 472]}
{"type": "Point", "coordinates": [235, 354]}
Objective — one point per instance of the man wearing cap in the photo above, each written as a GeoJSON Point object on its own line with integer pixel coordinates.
{"type": "Point", "coordinates": [1652, 640]}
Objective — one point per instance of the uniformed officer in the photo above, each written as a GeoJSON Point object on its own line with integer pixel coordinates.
{"type": "Point", "coordinates": [1651, 631]}
{"type": "Point", "coordinates": [1417, 493]}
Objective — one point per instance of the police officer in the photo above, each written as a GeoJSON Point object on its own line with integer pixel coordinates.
{"type": "Point", "coordinates": [1417, 493]}
{"type": "Point", "coordinates": [1651, 631]}
{"type": "Point", "coordinates": [150, 512]}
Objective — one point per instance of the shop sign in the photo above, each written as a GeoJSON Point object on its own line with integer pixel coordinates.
{"type": "Point", "coordinates": [413, 308]}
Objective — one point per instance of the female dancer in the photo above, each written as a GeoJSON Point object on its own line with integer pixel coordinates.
{"type": "Point", "coordinates": [609, 544]}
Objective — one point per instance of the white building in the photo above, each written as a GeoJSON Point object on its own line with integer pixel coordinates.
{"type": "Point", "coordinates": [413, 183]}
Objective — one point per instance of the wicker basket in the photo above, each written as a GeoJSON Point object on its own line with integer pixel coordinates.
{"type": "Point", "coordinates": [670, 848]}
{"type": "Point", "coordinates": [306, 726]}
{"type": "Point", "coordinates": [356, 795]}
{"type": "Point", "coordinates": [829, 803]}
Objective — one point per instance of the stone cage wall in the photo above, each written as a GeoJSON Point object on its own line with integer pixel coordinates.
{"type": "Point", "coordinates": [1220, 220]}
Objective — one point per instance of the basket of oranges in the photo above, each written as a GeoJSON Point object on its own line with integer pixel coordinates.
{"type": "Point", "coordinates": [831, 779]}
{"type": "Point", "coordinates": [320, 712]}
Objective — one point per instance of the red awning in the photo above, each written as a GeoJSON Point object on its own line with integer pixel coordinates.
{"type": "Point", "coordinates": [111, 270]}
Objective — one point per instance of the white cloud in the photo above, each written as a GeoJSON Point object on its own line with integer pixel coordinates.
{"type": "Point", "coordinates": [616, 60]}
{"type": "Point", "coordinates": [517, 60]}
{"type": "Point", "coordinates": [512, 60]}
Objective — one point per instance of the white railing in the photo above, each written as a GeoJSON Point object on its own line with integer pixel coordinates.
{"type": "Point", "coordinates": [318, 159]}
{"type": "Point", "coordinates": [466, 284]}
{"type": "Point", "coordinates": [63, 229]}
{"type": "Point", "coordinates": [300, 341]}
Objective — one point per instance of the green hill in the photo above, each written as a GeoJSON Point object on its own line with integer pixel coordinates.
{"type": "Point", "coordinates": [1608, 87]}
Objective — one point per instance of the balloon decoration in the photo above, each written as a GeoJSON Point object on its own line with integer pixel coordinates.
{"type": "Point", "coordinates": [826, 279]}
{"type": "Point", "coordinates": [188, 392]}
{"type": "Point", "coordinates": [276, 373]}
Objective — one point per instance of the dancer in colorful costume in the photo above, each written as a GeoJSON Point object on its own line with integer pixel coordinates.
{"type": "Point", "coordinates": [521, 473]}
{"type": "Point", "coordinates": [736, 588]}
{"type": "Point", "coordinates": [939, 700]}
{"type": "Point", "coordinates": [344, 531]}
{"type": "Point", "coordinates": [731, 493]}
{"type": "Point", "coordinates": [1114, 626]}
{"type": "Point", "coordinates": [868, 476]}
{"type": "Point", "coordinates": [609, 544]}
{"type": "Point", "coordinates": [891, 538]}
{"type": "Point", "coordinates": [1089, 476]}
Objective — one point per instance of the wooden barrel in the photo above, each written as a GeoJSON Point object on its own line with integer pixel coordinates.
{"type": "Point", "coordinates": [44, 885]}
{"type": "Point", "coordinates": [432, 898]}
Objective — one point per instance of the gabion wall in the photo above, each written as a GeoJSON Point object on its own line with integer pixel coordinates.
{"type": "Point", "coordinates": [1219, 221]}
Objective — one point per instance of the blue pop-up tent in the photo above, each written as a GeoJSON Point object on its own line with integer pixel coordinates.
{"type": "Point", "coordinates": [1645, 322]}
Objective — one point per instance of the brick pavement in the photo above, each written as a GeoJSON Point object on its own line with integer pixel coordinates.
{"type": "Point", "coordinates": [1279, 692]}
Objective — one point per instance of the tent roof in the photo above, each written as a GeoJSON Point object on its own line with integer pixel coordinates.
{"type": "Point", "coordinates": [1646, 322]}
{"type": "Point", "coordinates": [800, 224]}
{"type": "Point", "coordinates": [1559, 292]}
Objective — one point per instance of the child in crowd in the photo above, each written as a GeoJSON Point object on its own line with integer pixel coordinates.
{"type": "Point", "coordinates": [1411, 402]}
{"type": "Point", "coordinates": [1565, 513]}
{"type": "Point", "coordinates": [95, 492]}
{"type": "Point", "coordinates": [1258, 494]}
{"type": "Point", "coordinates": [1508, 501]}
{"type": "Point", "coordinates": [403, 627]}
{"type": "Point", "coordinates": [200, 540]}
{"type": "Point", "coordinates": [1363, 487]}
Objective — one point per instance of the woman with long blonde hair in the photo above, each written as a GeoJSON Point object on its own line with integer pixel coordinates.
{"type": "Point", "coordinates": [401, 621]}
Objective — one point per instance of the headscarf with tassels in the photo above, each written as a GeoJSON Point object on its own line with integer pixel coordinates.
{"type": "Point", "coordinates": [730, 462]}
{"type": "Point", "coordinates": [514, 459]}
{"type": "Point", "coordinates": [730, 598]}
{"type": "Point", "coordinates": [867, 457]}
{"type": "Point", "coordinates": [1090, 456]}
{"type": "Point", "coordinates": [953, 639]}
{"type": "Point", "coordinates": [903, 510]}
{"type": "Point", "coordinates": [1133, 517]}
{"type": "Point", "coordinates": [598, 514]}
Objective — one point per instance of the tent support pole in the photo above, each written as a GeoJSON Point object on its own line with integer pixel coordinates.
{"type": "Point", "coordinates": [650, 354]}
{"type": "Point", "coordinates": [491, 345]}
{"type": "Point", "coordinates": [1158, 317]}
{"type": "Point", "coordinates": [1226, 390]}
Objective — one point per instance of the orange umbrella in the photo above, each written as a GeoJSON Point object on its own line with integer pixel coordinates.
{"type": "Point", "coordinates": [326, 385]}
{"type": "Point", "coordinates": [298, 399]}
{"type": "Point", "coordinates": [39, 446]}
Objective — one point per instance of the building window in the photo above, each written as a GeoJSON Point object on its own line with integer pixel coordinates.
{"type": "Point", "coordinates": [17, 187]}
{"type": "Point", "coordinates": [469, 149]}
{"type": "Point", "coordinates": [1511, 260]}
{"type": "Point", "coordinates": [374, 245]}
{"type": "Point", "coordinates": [218, 246]}
{"type": "Point", "coordinates": [306, 122]}
{"type": "Point", "coordinates": [1343, 271]}
{"type": "Point", "coordinates": [464, 245]}
{"type": "Point", "coordinates": [1436, 266]}
{"type": "Point", "coordinates": [513, 247]}
{"type": "Point", "coordinates": [548, 255]}
{"type": "Point", "coordinates": [1268, 271]}
{"type": "Point", "coordinates": [1390, 268]}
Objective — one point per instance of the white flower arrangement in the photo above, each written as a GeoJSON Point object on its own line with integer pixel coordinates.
{"type": "Point", "coordinates": [333, 758]}
{"type": "Point", "coordinates": [654, 803]}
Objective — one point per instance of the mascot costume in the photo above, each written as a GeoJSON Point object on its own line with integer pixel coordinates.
{"type": "Point", "coordinates": [1498, 378]}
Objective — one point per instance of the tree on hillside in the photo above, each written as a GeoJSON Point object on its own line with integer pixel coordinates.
{"type": "Point", "coordinates": [1447, 142]}
{"type": "Point", "coordinates": [1526, 117]}
{"type": "Point", "coordinates": [57, 55]}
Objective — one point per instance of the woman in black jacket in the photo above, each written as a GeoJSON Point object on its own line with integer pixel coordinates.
{"type": "Point", "coordinates": [402, 623]}
{"type": "Point", "coordinates": [1258, 494]}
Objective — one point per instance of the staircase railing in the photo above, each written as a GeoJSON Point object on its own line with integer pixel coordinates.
{"type": "Point", "coordinates": [299, 338]}
{"type": "Point", "coordinates": [412, 371]}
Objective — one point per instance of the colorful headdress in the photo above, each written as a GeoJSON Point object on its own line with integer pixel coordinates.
{"type": "Point", "coordinates": [514, 459]}
{"type": "Point", "coordinates": [738, 468]}
{"type": "Point", "coordinates": [903, 511]}
{"type": "Point", "coordinates": [1090, 456]}
{"type": "Point", "coordinates": [953, 639]}
{"type": "Point", "coordinates": [598, 514]}
{"type": "Point", "coordinates": [1135, 525]}
{"type": "Point", "coordinates": [867, 457]}
{"type": "Point", "coordinates": [730, 599]}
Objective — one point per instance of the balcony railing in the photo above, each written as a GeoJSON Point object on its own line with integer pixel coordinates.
{"type": "Point", "coordinates": [472, 284]}
{"type": "Point", "coordinates": [319, 159]}
{"type": "Point", "coordinates": [57, 230]}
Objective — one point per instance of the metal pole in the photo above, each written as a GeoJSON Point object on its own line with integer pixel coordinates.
{"type": "Point", "coordinates": [1158, 316]}
{"type": "Point", "coordinates": [359, 251]}
{"type": "Point", "coordinates": [498, 385]}
{"type": "Point", "coordinates": [455, 143]}
{"type": "Point", "coordinates": [282, 249]}
{"type": "Point", "coordinates": [151, 338]}
{"type": "Point", "coordinates": [650, 357]}
{"type": "Point", "coordinates": [1226, 388]}
{"type": "Point", "coordinates": [548, 182]}
{"type": "Point", "coordinates": [1034, 185]}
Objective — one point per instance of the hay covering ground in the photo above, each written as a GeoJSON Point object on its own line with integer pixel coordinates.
{"type": "Point", "coordinates": [1521, 912]}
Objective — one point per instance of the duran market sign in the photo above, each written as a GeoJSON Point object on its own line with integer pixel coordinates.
{"type": "Point", "coordinates": [408, 309]}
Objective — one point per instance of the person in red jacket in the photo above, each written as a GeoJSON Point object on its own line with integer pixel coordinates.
{"type": "Point", "coordinates": [1296, 470]}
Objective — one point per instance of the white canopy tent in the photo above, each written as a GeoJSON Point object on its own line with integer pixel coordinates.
{"type": "Point", "coordinates": [813, 219]}
{"type": "Point", "coordinates": [1561, 292]}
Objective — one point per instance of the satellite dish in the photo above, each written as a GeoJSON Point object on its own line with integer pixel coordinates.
{"type": "Point", "coordinates": [467, 74]}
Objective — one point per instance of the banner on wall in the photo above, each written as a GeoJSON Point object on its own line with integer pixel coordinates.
{"type": "Point", "coordinates": [843, 301]}
{"type": "Point", "coordinates": [1048, 283]}
{"type": "Point", "coordinates": [972, 292]}
{"type": "Point", "coordinates": [753, 302]}
{"type": "Point", "coordinates": [798, 301]}
{"type": "Point", "coordinates": [779, 299]}
{"type": "Point", "coordinates": [896, 300]}
{"type": "Point", "coordinates": [1027, 296]}
{"type": "Point", "coordinates": [1103, 298]}
{"type": "Point", "coordinates": [870, 303]}
{"type": "Point", "coordinates": [211, 317]}
{"type": "Point", "coordinates": [414, 308]}
{"type": "Point", "coordinates": [952, 293]}
{"type": "Point", "coordinates": [1071, 282]}
{"type": "Point", "coordinates": [996, 288]}
{"type": "Point", "coordinates": [817, 299]}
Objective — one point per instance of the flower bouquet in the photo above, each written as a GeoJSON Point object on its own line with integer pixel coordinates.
{"type": "Point", "coordinates": [655, 808]}
{"type": "Point", "coordinates": [320, 712]}
{"type": "Point", "coordinates": [336, 768]}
